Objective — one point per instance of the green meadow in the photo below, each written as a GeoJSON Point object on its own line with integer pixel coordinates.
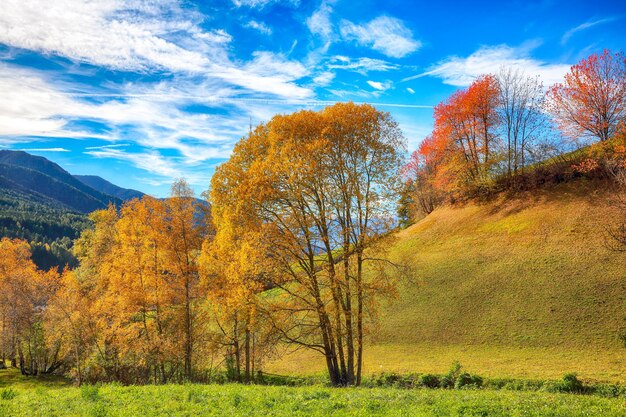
{"type": "Point", "coordinates": [57, 399]}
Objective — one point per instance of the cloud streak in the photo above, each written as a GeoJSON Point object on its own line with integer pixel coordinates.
{"type": "Point", "coordinates": [461, 71]}
{"type": "Point", "coordinates": [584, 26]}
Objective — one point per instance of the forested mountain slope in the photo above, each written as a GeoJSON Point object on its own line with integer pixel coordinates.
{"type": "Point", "coordinates": [35, 175]}
{"type": "Point", "coordinates": [47, 206]}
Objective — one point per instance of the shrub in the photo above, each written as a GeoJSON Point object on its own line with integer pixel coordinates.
{"type": "Point", "coordinates": [607, 390]}
{"type": "Point", "coordinates": [385, 379]}
{"type": "Point", "coordinates": [429, 381]}
{"type": "Point", "coordinates": [466, 380]}
{"type": "Point", "coordinates": [449, 379]}
{"type": "Point", "coordinates": [569, 383]}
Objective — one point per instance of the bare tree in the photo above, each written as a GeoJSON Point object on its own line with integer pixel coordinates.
{"type": "Point", "coordinates": [521, 104]}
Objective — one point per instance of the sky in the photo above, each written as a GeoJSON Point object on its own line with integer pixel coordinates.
{"type": "Point", "coordinates": [144, 92]}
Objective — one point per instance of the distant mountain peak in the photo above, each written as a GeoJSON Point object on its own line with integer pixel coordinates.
{"type": "Point", "coordinates": [106, 187]}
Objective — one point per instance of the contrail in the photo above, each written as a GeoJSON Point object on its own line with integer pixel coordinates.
{"type": "Point", "coordinates": [287, 102]}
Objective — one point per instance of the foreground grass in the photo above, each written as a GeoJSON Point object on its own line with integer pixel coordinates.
{"type": "Point", "coordinates": [238, 400]}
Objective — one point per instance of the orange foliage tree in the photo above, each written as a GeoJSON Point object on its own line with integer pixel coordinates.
{"type": "Point", "coordinates": [24, 293]}
{"type": "Point", "coordinates": [463, 140]}
{"type": "Point", "coordinates": [134, 309]}
{"type": "Point", "coordinates": [592, 99]}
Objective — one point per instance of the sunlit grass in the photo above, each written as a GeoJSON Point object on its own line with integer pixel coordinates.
{"type": "Point", "coordinates": [239, 400]}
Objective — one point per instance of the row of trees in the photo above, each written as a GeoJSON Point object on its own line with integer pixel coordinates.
{"type": "Point", "coordinates": [292, 251]}
{"type": "Point", "coordinates": [489, 133]}
{"type": "Point", "coordinates": [127, 312]}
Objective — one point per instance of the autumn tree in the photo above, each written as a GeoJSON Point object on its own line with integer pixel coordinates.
{"type": "Point", "coordinates": [137, 295]}
{"type": "Point", "coordinates": [464, 136]}
{"type": "Point", "coordinates": [314, 189]}
{"type": "Point", "coordinates": [24, 293]}
{"type": "Point", "coordinates": [68, 322]}
{"type": "Point", "coordinates": [592, 99]}
{"type": "Point", "coordinates": [183, 243]}
{"type": "Point", "coordinates": [421, 171]}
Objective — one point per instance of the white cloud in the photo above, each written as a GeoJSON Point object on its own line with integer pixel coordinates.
{"type": "Point", "coordinates": [319, 22]}
{"type": "Point", "coordinates": [259, 26]}
{"type": "Point", "coordinates": [150, 115]}
{"type": "Point", "coordinates": [324, 78]}
{"type": "Point", "coordinates": [360, 65]}
{"type": "Point", "coordinates": [259, 4]}
{"type": "Point", "coordinates": [380, 86]}
{"type": "Point", "coordinates": [129, 35]}
{"type": "Point", "coordinates": [140, 36]}
{"type": "Point", "coordinates": [461, 71]}
{"type": "Point", "coordinates": [589, 24]}
{"type": "Point", "coordinates": [114, 145]}
{"type": "Point", "coordinates": [152, 161]}
{"type": "Point", "coordinates": [45, 150]}
{"type": "Point", "coordinates": [384, 34]}
{"type": "Point", "coordinates": [30, 106]}
{"type": "Point", "coordinates": [410, 90]}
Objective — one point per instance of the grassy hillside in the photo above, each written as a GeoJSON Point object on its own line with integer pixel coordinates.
{"type": "Point", "coordinates": [519, 286]}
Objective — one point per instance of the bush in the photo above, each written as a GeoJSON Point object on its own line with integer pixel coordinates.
{"type": "Point", "coordinates": [429, 381]}
{"type": "Point", "coordinates": [570, 383]}
{"type": "Point", "coordinates": [466, 380]}
{"type": "Point", "coordinates": [449, 379]}
{"type": "Point", "coordinates": [608, 390]}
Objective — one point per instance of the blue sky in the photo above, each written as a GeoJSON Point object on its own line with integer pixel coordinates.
{"type": "Point", "coordinates": [142, 92]}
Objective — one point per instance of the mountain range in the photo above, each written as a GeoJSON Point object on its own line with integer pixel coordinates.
{"type": "Point", "coordinates": [41, 180]}
{"type": "Point", "coordinates": [47, 206]}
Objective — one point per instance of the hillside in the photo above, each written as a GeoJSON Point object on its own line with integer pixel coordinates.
{"type": "Point", "coordinates": [105, 187]}
{"type": "Point", "coordinates": [519, 286]}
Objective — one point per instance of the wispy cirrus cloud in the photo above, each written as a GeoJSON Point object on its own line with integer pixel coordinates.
{"type": "Point", "coordinates": [378, 85]}
{"type": "Point", "coordinates": [384, 34]}
{"type": "Point", "coordinates": [141, 37]}
{"type": "Point", "coordinates": [319, 23]}
{"type": "Point", "coordinates": [45, 150]}
{"type": "Point", "coordinates": [461, 71]}
{"type": "Point", "coordinates": [259, 26]}
{"type": "Point", "coordinates": [361, 65]}
{"type": "Point", "coordinates": [324, 78]}
{"type": "Point", "coordinates": [259, 4]}
{"type": "Point", "coordinates": [150, 161]}
{"type": "Point", "coordinates": [587, 25]}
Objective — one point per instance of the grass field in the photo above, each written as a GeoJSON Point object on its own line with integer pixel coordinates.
{"type": "Point", "coordinates": [519, 287]}
{"type": "Point", "coordinates": [53, 398]}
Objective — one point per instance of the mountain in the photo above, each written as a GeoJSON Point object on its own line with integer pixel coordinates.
{"type": "Point", "coordinates": [520, 286]}
{"type": "Point", "coordinates": [44, 204]}
{"type": "Point", "coordinates": [105, 187]}
{"type": "Point", "coordinates": [40, 178]}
